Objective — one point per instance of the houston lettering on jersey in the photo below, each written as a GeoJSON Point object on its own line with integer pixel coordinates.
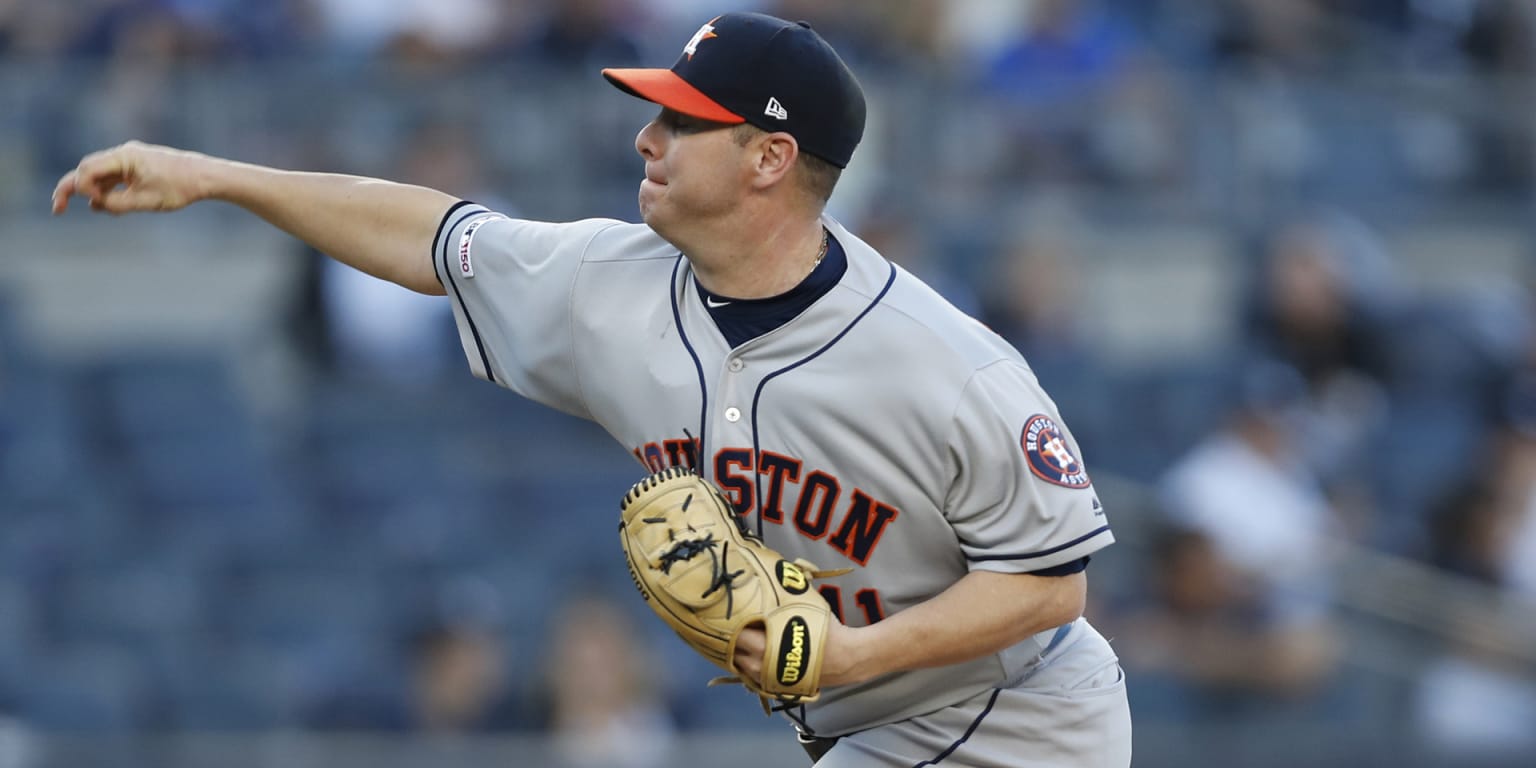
{"type": "Point", "coordinates": [682, 452]}
{"type": "Point", "coordinates": [814, 502]}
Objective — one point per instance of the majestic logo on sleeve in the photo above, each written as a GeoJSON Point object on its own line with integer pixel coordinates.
{"type": "Point", "coordinates": [705, 32]}
{"type": "Point", "coordinates": [1049, 457]}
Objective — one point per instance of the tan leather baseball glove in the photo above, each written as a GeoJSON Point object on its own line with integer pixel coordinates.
{"type": "Point", "coordinates": [701, 570]}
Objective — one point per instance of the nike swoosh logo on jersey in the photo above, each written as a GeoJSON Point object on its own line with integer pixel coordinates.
{"type": "Point", "coordinates": [712, 304]}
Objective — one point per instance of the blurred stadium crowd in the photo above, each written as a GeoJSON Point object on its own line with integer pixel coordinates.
{"type": "Point", "coordinates": [1271, 257]}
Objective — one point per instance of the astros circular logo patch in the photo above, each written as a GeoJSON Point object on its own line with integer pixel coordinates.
{"type": "Point", "coordinates": [1049, 457]}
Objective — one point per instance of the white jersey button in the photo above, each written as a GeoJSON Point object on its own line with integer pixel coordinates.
{"type": "Point", "coordinates": [733, 414]}
{"type": "Point", "coordinates": [737, 364]}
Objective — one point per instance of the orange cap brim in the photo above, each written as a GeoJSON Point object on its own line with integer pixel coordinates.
{"type": "Point", "coordinates": [664, 87]}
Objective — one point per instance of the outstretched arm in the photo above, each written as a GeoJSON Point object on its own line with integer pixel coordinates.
{"type": "Point", "coordinates": [380, 227]}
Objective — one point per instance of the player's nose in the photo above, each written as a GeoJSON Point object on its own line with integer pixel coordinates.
{"type": "Point", "coordinates": [648, 140]}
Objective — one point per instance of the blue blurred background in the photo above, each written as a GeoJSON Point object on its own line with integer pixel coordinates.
{"type": "Point", "coordinates": [1271, 257]}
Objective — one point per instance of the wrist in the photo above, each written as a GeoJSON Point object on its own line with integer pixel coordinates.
{"type": "Point", "coordinates": [212, 178]}
{"type": "Point", "coordinates": [851, 656]}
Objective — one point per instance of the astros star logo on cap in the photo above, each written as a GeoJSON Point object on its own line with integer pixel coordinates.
{"type": "Point", "coordinates": [777, 75]}
{"type": "Point", "coordinates": [705, 33]}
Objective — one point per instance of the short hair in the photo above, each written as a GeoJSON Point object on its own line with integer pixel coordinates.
{"type": "Point", "coordinates": [818, 177]}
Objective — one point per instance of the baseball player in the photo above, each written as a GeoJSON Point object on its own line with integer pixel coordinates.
{"type": "Point", "coordinates": [854, 417]}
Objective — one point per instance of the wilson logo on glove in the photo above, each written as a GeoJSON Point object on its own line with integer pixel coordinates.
{"type": "Point", "coordinates": [791, 578]}
{"type": "Point", "coordinates": [795, 651]}
{"type": "Point", "coordinates": [708, 577]}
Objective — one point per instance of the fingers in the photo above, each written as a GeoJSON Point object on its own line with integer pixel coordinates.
{"type": "Point", "coordinates": [130, 199]}
{"type": "Point", "coordinates": [98, 174]}
{"type": "Point", "coordinates": [750, 646]}
{"type": "Point", "coordinates": [101, 172]}
{"type": "Point", "coordinates": [63, 190]}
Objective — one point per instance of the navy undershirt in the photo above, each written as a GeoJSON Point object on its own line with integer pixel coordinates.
{"type": "Point", "coordinates": [742, 320]}
{"type": "Point", "coordinates": [1065, 569]}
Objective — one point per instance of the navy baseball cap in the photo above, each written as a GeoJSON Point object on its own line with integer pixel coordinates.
{"type": "Point", "coordinates": [775, 74]}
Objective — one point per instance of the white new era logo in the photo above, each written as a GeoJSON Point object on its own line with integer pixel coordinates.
{"type": "Point", "coordinates": [775, 109]}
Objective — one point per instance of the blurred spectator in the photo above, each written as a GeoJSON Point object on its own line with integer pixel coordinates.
{"type": "Point", "coordinates": [1470, 527]}
{"type": "Point", "coordinates": [912, 34]}
{"type": "Point", "coordinates": [1506, 550]}
{"type": "Point", "coordinates": [1139, 136]}
{"type": "Point", "coordinates": [586, 36]}
{"type": "Point", "coordinates": [1448, 354]}
{"type": "Point", "coordinates": [1062, 48]}
{"type": "Point", "coordinates": [453, 674]}
{"type": "Point", "coordinates": [1050, 77]}
{"type": "Point", "coordinates": [1298, 35]}
{"type": "Point", "coordinates": [140, 44]}
{"type": "Point", "coordinates": [1500, 37]}
{"type": "Point", "coordinates": [195, 29]}
{"type": "Point", "coordinates": [1475, 706]}
{"type": "Point", "coordinates": [1246, 570]}
{"type": "Point", "coordinates": [974, 32]}
{"type": "Point", "coordinates": [1476, 701]}
{"type": "Point", "coordinates": [1247, 488]}
{"type": "Point", "coordinates": [1035, 295]}
{"type": "Point", "coordinates": [1325, 281]}
{"type": "Point", "coordinates": [422, 31]}
{"type": "Point", "coordinates": [265, 30]}
{"type": "Point", "coordinates": [146, 30]}
{"type": "Point", "coordinates": [1323, 301]}
{"type": "Point", "coordinates": [391, 336]}
{"type": "Point", "coordinates": [350, 322]}
{"type": "Point", "coordinates": [1206, 652]}
{"type": "Point", "coordinates": [1500, 42]}
{"type": "Point", "coordinates": [19, 744]}
{"type": "Point", "coordinates": [1191, 628]}
{"type": "Point", "coordinates": [11, 29]}
{"type": "Point", "coordinates": [460, 681]}
{"type": "Point", "coordinates": [604, 708]}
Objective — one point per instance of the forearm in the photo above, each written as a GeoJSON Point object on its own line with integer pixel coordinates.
{"type": "Point", "coordinates": [379, 227]}
{"type": "Point", "coordinates": [982, 613]}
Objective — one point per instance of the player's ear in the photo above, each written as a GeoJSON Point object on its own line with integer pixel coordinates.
{"type": "Point", "coordinates": [775, 159]}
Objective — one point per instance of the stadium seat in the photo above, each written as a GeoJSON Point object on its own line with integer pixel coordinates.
{"type": "Point", "coordinates": [92, 687]}
{"type": "Point", "coordinates": [168, 394]}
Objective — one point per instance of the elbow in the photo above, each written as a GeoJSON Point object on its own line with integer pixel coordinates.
{"type": "Point", "coordinates": [430, 288]}
{"type": "Point", "coordinates": [422, 278]}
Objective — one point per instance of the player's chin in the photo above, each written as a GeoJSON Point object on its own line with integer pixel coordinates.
{"type": "Point", "coordinates": [651, 190]}
{"type": "Point", "coordinates": [650, 200]}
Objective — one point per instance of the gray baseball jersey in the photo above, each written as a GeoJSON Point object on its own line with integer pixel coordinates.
{"type": "Point", "coordinates": [881, 429]}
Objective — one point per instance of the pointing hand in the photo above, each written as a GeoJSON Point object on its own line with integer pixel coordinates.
{"type": "Point", "coordinates": [132, 177]}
